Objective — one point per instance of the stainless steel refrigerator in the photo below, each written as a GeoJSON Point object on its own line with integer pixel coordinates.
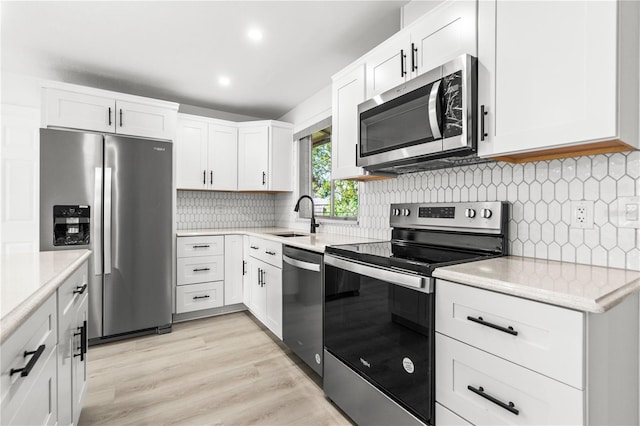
{"type": "Point", "coordinates": [113, 195]}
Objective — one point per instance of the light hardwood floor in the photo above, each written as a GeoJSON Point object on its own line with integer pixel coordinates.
{"type": "Point", "coordinates": [225, 370]}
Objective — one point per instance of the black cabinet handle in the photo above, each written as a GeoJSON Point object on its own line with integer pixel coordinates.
{"type": "Point", "coordinates": [201, 269]}
{"type": "Point", "coordinates": [510, 406]}
{"type": "Point", "coordinates": [206, 296]}
{"type": "Point", "coordinates": [24, 371]}
{"type": "Point", "coordinates": [480, 320]}
{"type": "Point", "coordinates": [204, 177]}
{"type": "Point", "coordinates": [254, 247]}
{"type": "Point", "coordinates": [272, 253]}
{"type": "Point", "coordinates": [264, 178]}
{"type": "Point", "coordinates": [414, 59]}
{"type": "Point", "coordinates": [260, 277]}
{"type": "Point", "coordinates": [109, 116]}
{"type": "Point", "coordinates": [80, 289]}
{"type": "Point", "coordinates": [483, 114]}
{"type": "Point", "coordinates": [403, 57]}
{"type": "Point", "coordinates": [244, 268]}
{"type": "Point", "coordinates": [211, 178]}
{"type": "Point", "coordinates": [263, 272]}
{"type": "Point", "coordinates": [83, 341]}
{"type": "Point", "coordinates": [120, 117]}
{"type": "Point", "coordinates": [202, 246]}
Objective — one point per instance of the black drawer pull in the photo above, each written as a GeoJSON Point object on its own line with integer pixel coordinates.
{"type": "Point", "coordinates": [255, 248]}
{"type": "Point", "coordinates": [201, 269]}
{"type": "Point", "coordinates": [202, 246]}
{"type": "Point", "coordinates": [206, 296]}
{"type": "Point", "coordinates": [83, 341]}
{"type": "Point", "coordinates": [479, 320]}
{"type": "Point", "coordinates": [80, 289]}
{"type": "Point", "coordinates": [509, 407]}
{"type": "Point", "coordinates": [24, 372]}
{"type": "Point", "coordinates": [272, 253]}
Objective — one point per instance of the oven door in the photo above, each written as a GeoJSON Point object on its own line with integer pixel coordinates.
{"type": "Point", "coordinates": [381, 327]}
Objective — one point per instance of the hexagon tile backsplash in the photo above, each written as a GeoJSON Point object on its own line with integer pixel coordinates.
{"type": "Point", "coordinates": [540, 195]}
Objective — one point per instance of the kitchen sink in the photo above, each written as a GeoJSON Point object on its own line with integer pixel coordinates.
{"type": "Point", "coordinates": [290, 234]}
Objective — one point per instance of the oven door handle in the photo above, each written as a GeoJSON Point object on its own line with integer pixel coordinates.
{"type": "Point", "coordinates": [384, 274]}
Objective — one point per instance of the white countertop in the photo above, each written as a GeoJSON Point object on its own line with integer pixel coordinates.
{"type": "Point", "coordinates": [28, 279]}
{"type": "Point", "coordinates": [581, 287]}
{"type": "Point", "coordinates": [314, 242]}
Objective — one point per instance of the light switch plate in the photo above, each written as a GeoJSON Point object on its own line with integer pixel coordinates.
{"type": "Point", "coordinates": [629, 212]}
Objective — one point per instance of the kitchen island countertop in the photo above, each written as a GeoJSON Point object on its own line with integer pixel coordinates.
{"type": "Point", "coordinates": [28, 279]}
{"type": "Point", "coordinates": [314, 242]}
{"type": "Point", "coordinates": [587, 288]}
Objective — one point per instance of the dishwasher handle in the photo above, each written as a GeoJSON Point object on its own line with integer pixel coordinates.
{"type": "Point", "coordinates": [300, 264]}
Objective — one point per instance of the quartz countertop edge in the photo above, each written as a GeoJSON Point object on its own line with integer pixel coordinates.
{"type": "Point", "coordinates": [313, 242]}
{"type": "Point", "coordinates": [587, 288]}
{"type": "Point", "coordinates": [50, 282]}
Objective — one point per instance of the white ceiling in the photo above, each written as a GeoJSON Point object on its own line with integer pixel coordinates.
{"type": "Point", "coordinates": [176, 50]}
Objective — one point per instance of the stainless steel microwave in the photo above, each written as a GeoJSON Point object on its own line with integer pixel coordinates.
{"type": "Point", "coordinates": [431, 117]}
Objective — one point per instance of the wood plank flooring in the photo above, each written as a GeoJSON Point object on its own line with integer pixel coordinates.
{"type": "Point", "coordinates": [225, 370]}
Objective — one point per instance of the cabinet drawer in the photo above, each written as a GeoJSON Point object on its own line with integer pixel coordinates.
{"type": "Point", "coordinates": [549, 339]}
{"type": "Point", "coordinates": [71, 292]}
{"type": "Point", "coordinates": [39, 329]}
{"type": "Point", "coordinates": [195, 297]}
{"type": "Point", "coordinates": [200, 246]}
{"type": "Point", "coordinates": [265, 250]}
{"type": "Point", "coordinates": [445, 417]}
{"type": "Point", "coordinates": [538, 400]}
{"type": "Point", "coordinates": [202, 269]}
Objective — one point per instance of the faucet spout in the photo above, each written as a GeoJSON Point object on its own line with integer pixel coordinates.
{"type": "Point", "coordinates": [314, 225]}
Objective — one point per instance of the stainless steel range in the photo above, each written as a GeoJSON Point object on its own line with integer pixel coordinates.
{"type": "Point", "coordinates": [379, 307]}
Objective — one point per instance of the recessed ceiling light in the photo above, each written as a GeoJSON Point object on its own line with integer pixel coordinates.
{"type": "Point", "coordinates": [224, 81]}
{"type": "Point", "coordinates": [255, 34]}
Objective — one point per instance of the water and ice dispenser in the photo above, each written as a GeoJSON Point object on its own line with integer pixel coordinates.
{"type": "Point", "coordinates": [71, 225]}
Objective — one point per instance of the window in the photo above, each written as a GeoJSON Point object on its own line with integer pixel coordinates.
{"type": "Point", "coordinates": [337, 199]}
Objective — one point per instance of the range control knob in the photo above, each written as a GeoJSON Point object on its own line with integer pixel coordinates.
{"type": "Point", "coordinates": [406, 212]}
{"type": "Point", "coordinates": [395, 212]}
{"type": "Point", "coordinates": [486, 213]}
{"type": "Point", "coordinates": [470, 213]}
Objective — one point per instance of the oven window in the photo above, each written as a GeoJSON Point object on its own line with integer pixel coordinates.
{"type": "Point", "coordinates": [385, 333]}
{"type": "Point", "coordinates": [398, 123]}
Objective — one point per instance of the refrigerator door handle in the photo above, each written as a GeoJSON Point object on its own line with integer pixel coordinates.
{"type": "Point", "coordinates": [97, 223]}
{"type": "Point", "coordinates": [107, 220]}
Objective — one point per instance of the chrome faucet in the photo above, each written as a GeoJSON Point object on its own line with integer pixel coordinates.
{"type": "Point", "coordinates": [314, 225]}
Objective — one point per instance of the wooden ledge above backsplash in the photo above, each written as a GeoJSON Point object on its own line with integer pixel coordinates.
{"type": "Point", "coordinates": [606, 147]}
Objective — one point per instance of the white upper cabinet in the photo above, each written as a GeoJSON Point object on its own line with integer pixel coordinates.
{"type": "Point", "coordinates": [556, 74]}
{"type": "Point", "coordinates": [265, 150]}
{"type": "Point", "coordinates": [348, 91]}
{"type": "Point", "coordinates": [77, 107]}
{"type": "Point", "coordinates": [387, 64]}
{"type": "Point", "coordinates": [206, 154]}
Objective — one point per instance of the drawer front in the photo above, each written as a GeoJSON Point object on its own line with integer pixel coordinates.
{"type": "Point", "coordinates": [39, 329]}
{"type": "Point", "coordinates": [445, 417]}
{"type": "Point", "coordinates": [195, 297]}
{"type": "Point", "coordinates": [549, 339]}
{"type": "Point", "coordinates": [202, 269]}
{"type": "Point", "coordinates": [71, 292]}
{"type": "Point", "coordinates": [265, 250]}
{"type": "Point", "coordinates": [200, 246]}
{"type": "Point", "coordinates": [538, 400]}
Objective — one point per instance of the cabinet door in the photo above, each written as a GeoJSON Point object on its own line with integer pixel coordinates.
{"type": "Point", "coordinates": [149, 121]}
{"type": "Point", "coordinates": [246, 275]}
{"type": "Point", "coordinates": [233, 269]}
{"type": "Point", "coordinates": [348, 91]}
{"type": "Point", "coordinates": [191, 154]}
{"type": "Point", "coordinates": [79, 111]}
{"type": "Point", "coordinates": [272, 278]}
{"type": "Point", "coordinates": [443, 34]}
{"type": "Point", "coordinates": [79, 363]}
{"type": "Point", "coordinates": [223, 158]}
{"type": "Point", "coordinates": [387, 64]}
{"type": "Point", "coordinates": [253, 158]}
{"type": "Point", "coordinates": [280, 176]}
{"type": "Point", "coordinates": [553, 89]}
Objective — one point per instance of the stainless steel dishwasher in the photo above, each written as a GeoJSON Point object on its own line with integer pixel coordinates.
{"type": "Point", "coordinates": [302, 304]}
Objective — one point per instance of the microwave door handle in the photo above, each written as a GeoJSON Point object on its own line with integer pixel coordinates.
{"type": "Point", "coordinates": [433, 111]}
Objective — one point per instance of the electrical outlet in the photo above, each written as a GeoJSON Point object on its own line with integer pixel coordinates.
{"type": "Point", "coordinates": [582, 214]}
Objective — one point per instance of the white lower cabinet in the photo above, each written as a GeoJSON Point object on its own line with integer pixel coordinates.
{"type": "Point", "coordinates": [264, 286]}
{"type": "Point", "coordinates": [196, 297]}
{"type": "Point", "coordinates": [505, 360]}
